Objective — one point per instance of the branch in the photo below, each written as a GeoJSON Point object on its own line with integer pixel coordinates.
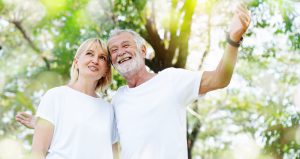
{"type": "Point", "coordinates": [185, 32]}
{"type": "Point", "coordinates": [19, 26]}
{"type": "Point", "coordinates": [192, 137]}
{"type": "Point", "coordinates": [173, 27]}
{"type": "Point", "coordinates": [111, 14]}
{"type": "Point", "coordinates": [156, 42]}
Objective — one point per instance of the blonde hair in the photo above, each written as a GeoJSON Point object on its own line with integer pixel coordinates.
{"type": "Point", "coordinates": [104, 82]}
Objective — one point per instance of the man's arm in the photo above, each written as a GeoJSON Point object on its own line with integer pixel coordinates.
{"type": "Point", "coordinates": [220, 78]}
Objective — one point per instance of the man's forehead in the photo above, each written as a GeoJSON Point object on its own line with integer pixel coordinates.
{"type": "Point", "coordinates": [120, 38]}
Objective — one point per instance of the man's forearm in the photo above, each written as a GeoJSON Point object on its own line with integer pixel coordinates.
{"type": "Point", "coordinates": [226, 65]}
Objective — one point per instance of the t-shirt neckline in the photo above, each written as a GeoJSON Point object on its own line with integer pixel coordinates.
{"type": "Point", "coordinates": [81, 93]}
{"type": "Point", "coordinates": [141, 86]}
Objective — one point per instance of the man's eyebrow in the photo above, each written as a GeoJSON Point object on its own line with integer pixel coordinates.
{"type": "Point", "coordinates": [115, 46]}
{"type": "Point", "coordinates": [125, 42]}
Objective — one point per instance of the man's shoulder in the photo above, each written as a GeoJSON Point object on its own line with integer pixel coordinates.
{"type": "Point", "coordinates": [121, 89]}
{"type": "Point", "coordinates": [173, 70]}
{"type": "Point", "coordinates": [168, 70]}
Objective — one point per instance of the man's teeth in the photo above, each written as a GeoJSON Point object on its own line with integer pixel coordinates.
{"type": "Point", "coordinates": [123, 60]}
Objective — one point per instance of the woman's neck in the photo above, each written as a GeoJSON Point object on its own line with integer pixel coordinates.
{"type": "Point", "coordinates": [85, 86]}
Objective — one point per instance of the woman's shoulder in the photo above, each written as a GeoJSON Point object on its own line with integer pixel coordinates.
{"type": "Point", "coordinates": [56, 91]}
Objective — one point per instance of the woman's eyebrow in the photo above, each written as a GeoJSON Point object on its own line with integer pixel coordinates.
{"type": "Point", "coordinates": [89, 50]}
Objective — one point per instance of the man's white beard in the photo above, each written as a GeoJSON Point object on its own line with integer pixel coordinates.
{"type": "Point", "coordinates": [131, 66]}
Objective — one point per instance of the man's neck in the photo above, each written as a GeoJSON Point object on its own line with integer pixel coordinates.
{"type": "Point", "coordinates": [138, 78]}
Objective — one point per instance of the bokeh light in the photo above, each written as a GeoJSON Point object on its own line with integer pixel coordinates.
{"type": "Point", "coordinates": [11, 149]}
{"type": "Point", "coordinates": [297, 98]}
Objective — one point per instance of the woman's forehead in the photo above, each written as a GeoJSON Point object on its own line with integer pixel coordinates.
{"type": "Point", "coordinates": [96, 47]}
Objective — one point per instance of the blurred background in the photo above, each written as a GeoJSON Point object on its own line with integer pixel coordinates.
{"type": "Point", "coordinates": [256, 117]}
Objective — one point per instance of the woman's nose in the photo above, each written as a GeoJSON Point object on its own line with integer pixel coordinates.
{"type": "Point", "coordinates": [95, 59]}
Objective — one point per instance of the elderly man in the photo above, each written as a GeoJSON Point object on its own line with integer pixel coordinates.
{"type": "Point", "coordinates": [151, 109]}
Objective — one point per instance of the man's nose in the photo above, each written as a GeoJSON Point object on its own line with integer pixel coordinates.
{"type": "Point", "coordinates": [121, 52]}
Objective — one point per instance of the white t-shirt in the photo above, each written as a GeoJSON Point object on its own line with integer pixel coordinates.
{"type": "Point", "coordinates": [151, 118]}
{"type": "Point", "coordinates": [84, 126]}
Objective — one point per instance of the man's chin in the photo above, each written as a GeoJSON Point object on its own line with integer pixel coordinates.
{"type": "Point", "coordinates": [125, 71]}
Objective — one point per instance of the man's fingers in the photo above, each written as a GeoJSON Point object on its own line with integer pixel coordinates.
{"type": "Point", "coordinates": [244, 18]}
{"type": "Point", "coordinates": [243, 4]}
{"type": "Point", "coordinates": [244, 22]}
{"type": "Point", "coordinates": [243, 15]}
{"type": "Point", "coordinates": [242, 8]}
{"type": "Point", "coordinates": [240, 11]}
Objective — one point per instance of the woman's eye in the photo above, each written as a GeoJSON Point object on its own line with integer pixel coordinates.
{"type": "Point", "coordinates": [103, 58]}
{"type": "Point", "coordinates": [89, 53]}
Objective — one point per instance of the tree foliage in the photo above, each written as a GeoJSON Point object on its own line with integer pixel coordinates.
{"type": "Point", "coordinates": [39, 38]}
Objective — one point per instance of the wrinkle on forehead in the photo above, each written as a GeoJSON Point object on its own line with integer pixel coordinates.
{"type": "Point", "coordinates": [112, 40]}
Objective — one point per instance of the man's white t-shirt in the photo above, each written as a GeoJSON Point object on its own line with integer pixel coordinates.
{"type": "Point", "coordinates": [151, 118]}
{"type": "Point", "coordinates": [84, 126]}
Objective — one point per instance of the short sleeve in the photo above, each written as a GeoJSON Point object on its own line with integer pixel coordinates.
{"type": "Point", "coordinates": [186, 84]}
{"type": "Point", "coordinates": [46, 107]}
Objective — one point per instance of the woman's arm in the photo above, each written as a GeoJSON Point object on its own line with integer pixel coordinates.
{"type": "Point", "coordinates": [116, 151]}
{"type": "Point", "coordinates": [42, 137]}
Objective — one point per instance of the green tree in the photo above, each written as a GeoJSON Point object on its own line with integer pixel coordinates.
{"type": "Point", "coordinates": [39, 38]}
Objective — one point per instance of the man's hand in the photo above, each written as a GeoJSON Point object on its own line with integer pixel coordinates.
{"type": "Point", "coordinates": [240, 23]}
{"type": "Point", "coordinates": [26, 120]}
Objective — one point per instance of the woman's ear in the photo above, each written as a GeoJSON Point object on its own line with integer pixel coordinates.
{"type": "Point", "coordinates": [75, 61]}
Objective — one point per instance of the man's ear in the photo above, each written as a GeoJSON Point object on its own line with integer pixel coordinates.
{"type": "Point", "coordinates": [144, 50]}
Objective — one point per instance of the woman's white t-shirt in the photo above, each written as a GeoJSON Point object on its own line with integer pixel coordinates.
{"type": "Point", "coordinates": [84, 126]}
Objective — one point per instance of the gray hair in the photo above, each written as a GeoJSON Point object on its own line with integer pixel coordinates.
{"type": "Point", "coordinates": [137, 38]}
